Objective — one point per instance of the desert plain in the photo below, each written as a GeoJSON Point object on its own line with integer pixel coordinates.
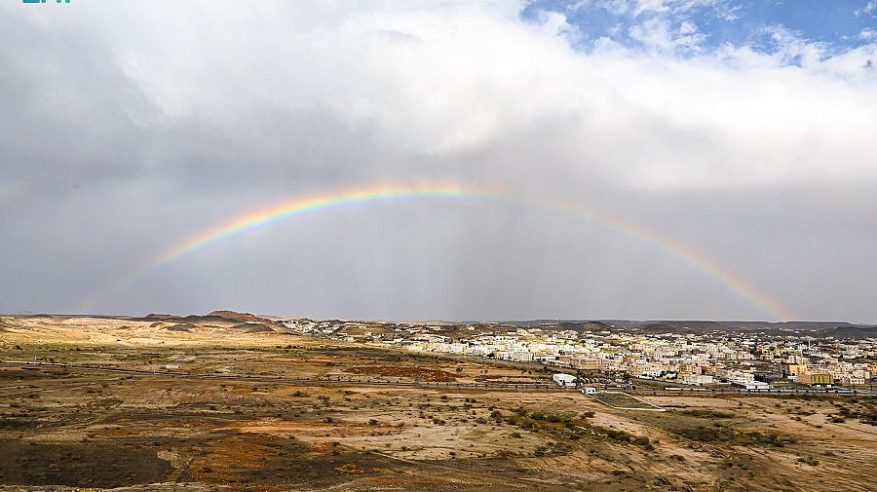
{"type": "Point", "coordinates": [229, 403]}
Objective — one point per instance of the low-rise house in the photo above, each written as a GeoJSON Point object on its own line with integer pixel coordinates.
{"type": "Point", "coordinates": [751, 385]}
{"type": "Point", "coordinates": [565, 380]}
{"type": "Point", "coordinates": [815, 378]}
{"type": "Point", "coordinates": [852, 381]}
{"type": "Point", "coordinates": [698, 379]}
{"type": "Point", "coordinates": [793, 369]}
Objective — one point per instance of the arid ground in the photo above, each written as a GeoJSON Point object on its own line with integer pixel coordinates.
{"type": "Point", "coordinates": [219, 404]}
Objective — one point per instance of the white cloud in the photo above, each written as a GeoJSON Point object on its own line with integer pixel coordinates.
{"type": "Point", "coordinates": [440, 80]}
{"type": "Point", "coordinates": [867, 35]}
{"type": "Point", "coordinates": [652, 7]}
{"type": "Point", "coordinates": [680, 8]}
{"type": "Point", "coordinates": [870, 8]}
{"type": "Point", "coordinates": [659, 34]}
{"type": "Point", "coordinates": [655, 6]}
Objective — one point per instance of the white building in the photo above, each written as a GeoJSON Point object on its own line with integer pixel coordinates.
{"type": "Point", "coordinates": [751, 385]}
{"type": "Point", "coordinates": [514, 356]}
{"type": "Point", "coordinates": [589, 390]}
{"type": "Point", "coordinates": [565, 380]}
{"type": "Point", "coordinates": [698, 379]}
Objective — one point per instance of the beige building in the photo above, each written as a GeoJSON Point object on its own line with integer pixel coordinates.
{"type": "Point", "coordinates": [813, 378]}
{"type": "Point", "coordinates": [793, 369]}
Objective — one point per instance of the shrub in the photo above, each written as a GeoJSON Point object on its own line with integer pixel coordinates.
{"type": "Point", "coordinates": [705, 413]}
{"type": "Point", "coordinates": [808, 460]}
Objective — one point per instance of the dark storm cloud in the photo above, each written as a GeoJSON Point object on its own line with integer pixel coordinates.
{"type": "Point", "coordinates": [128, 128]}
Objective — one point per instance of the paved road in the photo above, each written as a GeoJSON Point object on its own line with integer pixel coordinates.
{"type": "Point", "coordinates": [741, 391]}
{"type": "Point", "coordinates": [287, 380]}
{"type": "Point", "coordinates": [424, 384]}
{"type": "Point", "coordinates": [663, 388]}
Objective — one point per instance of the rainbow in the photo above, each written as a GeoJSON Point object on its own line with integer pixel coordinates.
{"type": "Point", "coordinates": [436, 190]}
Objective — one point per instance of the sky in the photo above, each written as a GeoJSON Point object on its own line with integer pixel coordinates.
{"type": "Point", "coordinates": [637, 159]}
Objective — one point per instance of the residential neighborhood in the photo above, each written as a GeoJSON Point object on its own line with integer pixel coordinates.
{"type": "Point", "coordinates": [753, 361]}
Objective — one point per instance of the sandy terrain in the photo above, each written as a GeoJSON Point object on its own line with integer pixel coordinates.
{"type": "Point", "coordinates": [67, 427]}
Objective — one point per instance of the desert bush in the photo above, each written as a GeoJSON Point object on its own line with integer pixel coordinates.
{"type": "Point", "coordinates": [705, 413]}
{"type": "Point", "coordinates": [808, 460]}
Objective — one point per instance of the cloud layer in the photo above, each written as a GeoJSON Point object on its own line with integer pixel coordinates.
{"type": "Point", "coordinates": [127, 127]}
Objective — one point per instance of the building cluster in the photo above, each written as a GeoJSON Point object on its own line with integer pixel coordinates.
{"type": "Point", "coordinates": [754, 361]}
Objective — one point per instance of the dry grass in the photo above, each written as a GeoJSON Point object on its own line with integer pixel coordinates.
{"type": "Point", "coordinates": [91, 429]}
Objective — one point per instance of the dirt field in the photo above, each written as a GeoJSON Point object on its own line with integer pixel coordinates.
{"type": "Point", "coordinates": [65, 427]}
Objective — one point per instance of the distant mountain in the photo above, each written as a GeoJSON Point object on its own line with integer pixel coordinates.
{"type": "Point", "coordinates": [235, 316]}
{"type": "Point", "coordinates": [223, 316]}
{"type": "Point", "coordinates": [853, 331]}
{"type": "Point", "coordinates": [801, 328]}
{"type": "Point", "coordinates": [839, 329]}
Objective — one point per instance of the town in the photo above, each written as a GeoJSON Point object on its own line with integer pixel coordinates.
{"type": "Point", "coordinates": [751, 361]}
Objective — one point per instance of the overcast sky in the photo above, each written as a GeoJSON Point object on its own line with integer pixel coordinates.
{"type": "Point", "coordinates": [744, 131]}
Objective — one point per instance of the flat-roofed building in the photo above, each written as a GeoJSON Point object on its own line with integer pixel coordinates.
{"type": "Point", "coordinates": [815, 378]}
{"type": "Point", "coordinates": [793, 369]}
{"type": "Point", "coordinates": [564, 380]}
{"type": "Point", "coordinates": [852, 381]}
{"type": "Point", "coordinates": [698, 379]}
